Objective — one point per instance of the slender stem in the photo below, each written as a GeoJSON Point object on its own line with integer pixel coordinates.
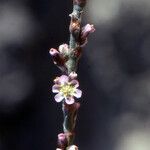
{"type": "Point", "coordinates": [75, 29]}
{"type": "Point", "coordinates": [70, 112]}
{"type": "Point", "coordinates": [75, 24]}
{"type": "Point", "coordinates": [70, 115]}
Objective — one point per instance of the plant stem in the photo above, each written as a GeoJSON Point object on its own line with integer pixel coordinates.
{"type": "Point", "coordinates": [70, 112]}
{"type": "Point", "coordinates": [75, 29]}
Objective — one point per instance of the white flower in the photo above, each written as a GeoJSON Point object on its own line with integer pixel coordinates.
{"type": "Point", "coordinates": [67, 88]}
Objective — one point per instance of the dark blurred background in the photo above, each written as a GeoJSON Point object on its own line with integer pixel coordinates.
{"type": "Point", "coordinates": [114, 74]}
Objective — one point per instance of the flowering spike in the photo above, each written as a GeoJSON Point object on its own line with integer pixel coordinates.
{"type": "Point", "coordinates": [66, 86]}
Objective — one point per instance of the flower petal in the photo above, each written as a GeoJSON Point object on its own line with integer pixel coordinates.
{"type": "Point", "coordinates": [56, 80]}
{"type": "Point", "coordinates": [69, 100]}
{"type": "Point", "coordinates": [55, 88]}
{"type": "Point", "coordinates": [58, 97]}
{"type": "Point", "coordinates": [74, 83]}
{"type": "Point", "coordinates": [63, 79]}
{"type": "Point", "coordinates": [77, 93]}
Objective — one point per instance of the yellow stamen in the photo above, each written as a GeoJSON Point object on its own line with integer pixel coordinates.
{"type": "Point", "coordinates": [67, 90]}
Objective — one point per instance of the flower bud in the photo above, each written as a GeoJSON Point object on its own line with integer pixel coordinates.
{"type": "Point", "coordinates": [64, 49]}
{"type": "Point", "coordinates": [57, 58]}
{"type": "Point", "coordinates": [86, 30]}
{"type": "Point", "coordinates": [81, 3]}
{"type": "Point", "coordinates": [53, 52]}
{"type": "Point", "coordinates": [62, 140]}
{"type": "Point", "coordinates": [73, 75]}
{"type": "Point", "coordinates": [72, 147]}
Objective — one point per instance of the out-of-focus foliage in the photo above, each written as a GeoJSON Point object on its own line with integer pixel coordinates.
{"type": "Point", "coordinates": [120, 55]}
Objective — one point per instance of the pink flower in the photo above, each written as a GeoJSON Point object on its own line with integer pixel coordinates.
{"type": "Point", "coordinates": [66, 88]}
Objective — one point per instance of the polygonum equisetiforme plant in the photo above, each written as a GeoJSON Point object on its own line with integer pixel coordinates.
{"type": "Point", "coordinates": [66, 86]}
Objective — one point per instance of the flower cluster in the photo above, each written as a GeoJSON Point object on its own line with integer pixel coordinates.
{"type": "Point", "coordinates": [66, 88]}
